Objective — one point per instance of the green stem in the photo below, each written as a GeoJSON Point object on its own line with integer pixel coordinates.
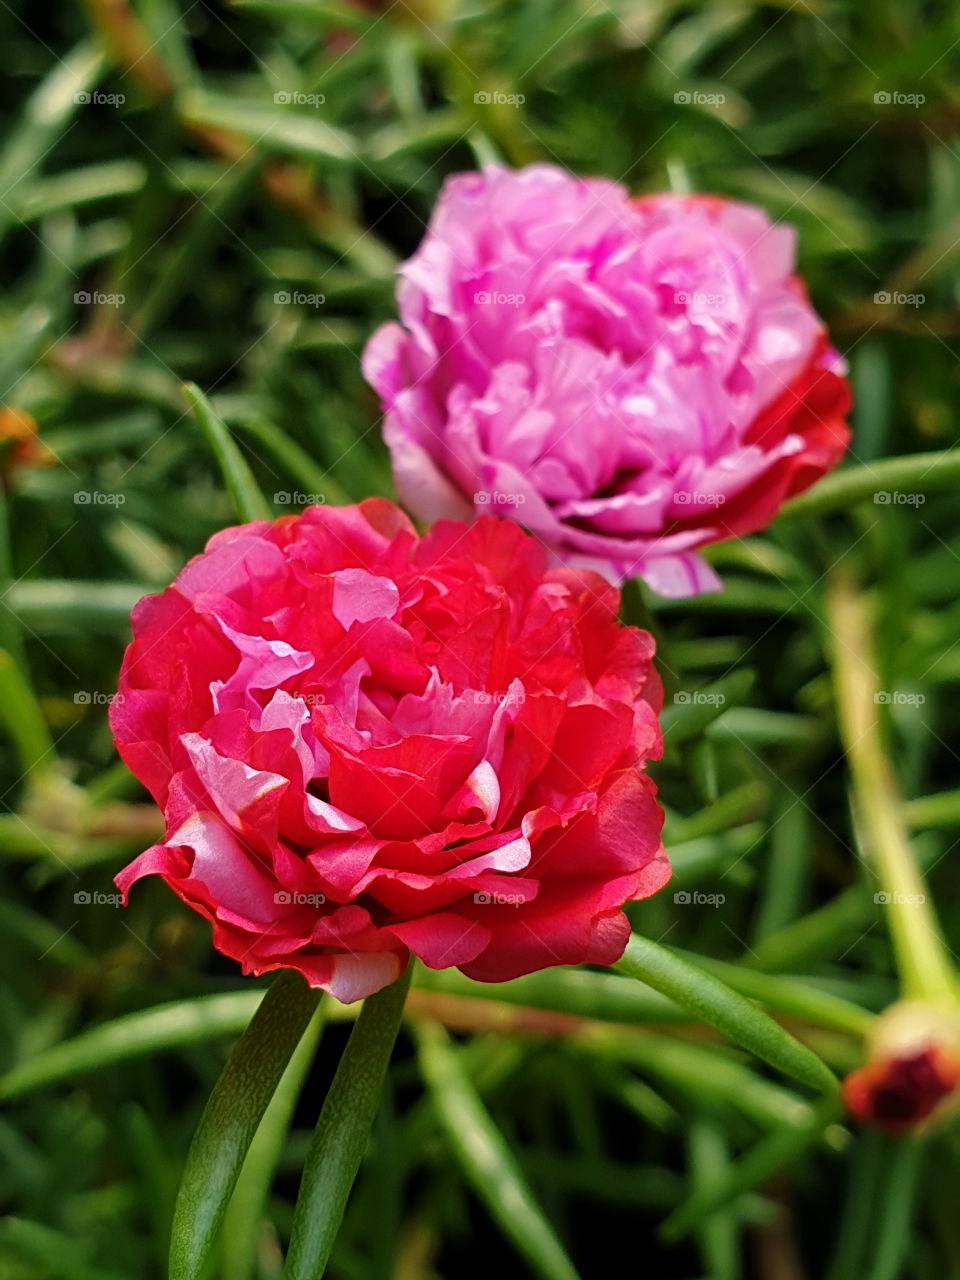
{"type": "Point", "coordinates": [342, 1132]}
{"type": "Point", "coordinates": [231, 1119]}
{"type": "Point", "coordinates": [246, 1210]}
{"type": "Point", "coordinates": [922, 958]}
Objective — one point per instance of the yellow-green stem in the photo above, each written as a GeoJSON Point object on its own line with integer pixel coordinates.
{"type": "Point", "coordinates": [922, 958]}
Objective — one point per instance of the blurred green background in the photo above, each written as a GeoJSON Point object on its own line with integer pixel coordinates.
{"type": "Point", "coordinates": [219, 193]}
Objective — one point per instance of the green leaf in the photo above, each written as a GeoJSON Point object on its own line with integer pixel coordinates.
{"type": "Point", "coordinates": [47, 114]}
{"type": "Point", "coordinates": [777, 1151]}
{"type": "Point", "coordinates": [47, 940]}
{"type": "Point", "coordinates": [710, 1075]}
{"type": "Point", "coordinates": [335, 17]}
{"type": "Point", "coordinates": [730, 1013]}
{"type": "Point", "coordinates": [11, 629]}
{"type": "Point", "coordinates": [270, 126]}
{"type": "Point", "coordinates": [790, 996]}
{"type": "Point", "coordinates": [342, 1132]}
{"type": "Point", "coordinates": [893, 1241]}
{"type": "Point", "coordinates": [717, 1235]}
{"type": "Point", "coordinates": [580, 993]}
{"type": "Point", "coordinates": [231, 1118]}
{"type": "Point", "coordinates": [486, 1159]}
{"type": "Point", "coordinates": [319, 484]}
{"type": "Point", "coordinates": [814, 936]}
{"type": "Point", "coordinates": [55, 1252]}
{"type": "Point", "coordinates": [23, 720]}
{"type": "Point", "coordinates": [738, 806]}
{"type": "Point", "coordinates": [247, 498]}
{"type": "Point", "coordinates": [57, 604]}
{"type": "Point", "coordinates": [692, 710]}
{"type": "Point", "coordinates": [81, 186]}
{"type": "Point", "coordinates": [912, 473]}
{"type": "Point", "coordinates": [135, 1035]}
{"type": "Point", "coordinates": [939, 810]}
{"type": "Point", "coordinates": [863, 1203]}
{"type": "Point", "coordinates": [212, 220]}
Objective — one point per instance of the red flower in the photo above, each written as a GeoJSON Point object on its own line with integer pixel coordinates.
{"type": "Point", "coordinates": [368, 745]}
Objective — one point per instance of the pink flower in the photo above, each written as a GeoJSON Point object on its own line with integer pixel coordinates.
{"type": "Point", "coordinates": [629, 379]}
{"type": "Point", "coordinates": [368, 745]}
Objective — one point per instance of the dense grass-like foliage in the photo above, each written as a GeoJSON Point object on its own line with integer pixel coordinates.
{"type": "Point", "coordinates": [218, 193]}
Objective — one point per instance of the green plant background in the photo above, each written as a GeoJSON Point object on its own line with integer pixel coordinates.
{"type": "Point", "coordinates": [175, 162]}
